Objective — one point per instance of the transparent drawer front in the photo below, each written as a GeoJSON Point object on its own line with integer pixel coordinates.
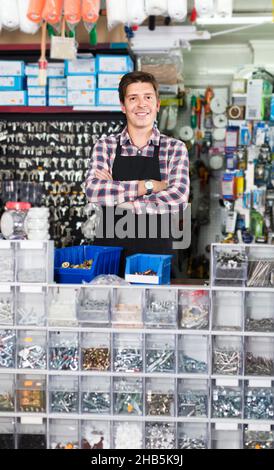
{"type": "Point", "coordinates": [31, 263]}
{"type": "Point", "coordinates": [192, 436]}
{"type": "Point", "coordinates": [31, 350]}
{"type": "Point", "coordinates": [160, 397]}
{"type": "Point", "coordinates": [193, 354]}
{"type": "Point", "coordinates": [95, 395]}
{"type": "Point", "coordinates": [128, 396]}
{"type": "Point", "coordinates": [62, 306]}
{"type": "Point", "coordinates": [260, 268]}
{"type": "Point", "coordinates": [259, 311]}
{"type": "Point", "coordinates": [6, 262]}
{"type": "Point", "coordinates": [6, 393]}
{"type": "Point", "coordinates": [258, 439]}
{"type": "Point", "coordinates": [127, 352]}
{"type": "Point", "coordinates": [229, 265]}
{"type": "Point", "coordinates": [7, 434]}
{"type": "Point", "coordinates": [161, 308]}
{"type": "Point", "coordinates": [6, 306]}
{"type": "Point", "coordinates": [193, 398]}
{"type": "Point", "coordinates": [31, 307]}
{"type": "Point", "coordinates": [63, 394]}
{"type": "Point", "coordinates": [31, 436]}
{"type": "Point", "coordinates": [160, 435]}
{"type": "Point", "coordinates": [93, 306]}
{"type": "Point", "coordinates": [194, 309]}
{"type": "Point", "coordinates": [258, 402]}
{"type": "Point", "coordinates": [7, 348]}
{"type": "Point", "coordinates": [95, 351]}
{"type": "Point", "coordinates": [63, 434]}
{"type": "Point", "coordinates": [226, 438]}
{"type": "Point", "coordinates": [228, 310]}
{"type": "Point", "coordinates": [63, 351]}
{"type": "Point", "coordinates": [127, 308]}
{"type": "Point", "coordinates": [227, 355]}
{"type": "Point", "coordinates": [259, 356]}
{"type": "Point", "coordinates": [127, 435]}
{"type": "Point", "coordinates": [160, 353]}
{"type": "Point", "coordinates": [226, 400]}
{"type": "Point", "coordinates": [95, 435]}
{"type": "Point", "coordinates": [30, 393]}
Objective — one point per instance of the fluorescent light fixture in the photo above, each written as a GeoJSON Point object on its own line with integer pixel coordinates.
{"type": "Point", "coordinates": [234, 20]}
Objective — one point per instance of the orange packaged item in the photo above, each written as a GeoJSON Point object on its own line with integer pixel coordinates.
{"type": "Point", "coordinates": [72, 11]}
{"type": "Point", "coordinates": [52, 11]}
{"type": "Point", "coordinates": [90, 10]}
{"type": "Point", "coordinates": [35, 10]}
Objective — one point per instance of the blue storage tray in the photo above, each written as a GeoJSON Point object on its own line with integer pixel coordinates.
{"type": "Point", "coordinates": [140, 262]}
{"type": "Point", "coordinates": [106, 260]}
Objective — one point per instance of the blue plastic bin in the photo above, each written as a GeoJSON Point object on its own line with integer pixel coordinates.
{"type": "Point", "coordinates": [140, 262]}
{"type": "Point", "coordinates": [106, 260]}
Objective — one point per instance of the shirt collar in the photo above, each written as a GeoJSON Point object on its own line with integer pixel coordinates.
{"type": "Point", "coordinates": [154, 138]}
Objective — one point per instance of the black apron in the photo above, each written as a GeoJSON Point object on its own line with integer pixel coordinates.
{"type": "Point", "coordinates": [129, 169]}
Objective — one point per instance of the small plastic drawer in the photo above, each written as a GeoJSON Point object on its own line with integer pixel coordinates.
{"type": "Point", "coordinates": [148, 269]}
{"type": "Point", "coordinates": [193, 307]}
{"type": "Point", "coordinates": [128, 396]}
{"type": "Point", "coordinates": [226, 436]}
{"type": "Point", "coordinates": [7, 348]}
{"type": "Point", "coordinates": [96, 395]}
{"type": "Point", "coordinates": [259, 311]}
{"type": "Point", "coordinates": [193, 354]}
{"type": "Point", "coordinates": [32, 262]}
{"type": "Point", "coordinates": [226, 399]}
{"type": "Point", "coordinates": [160, 435]}
{"type": "Point", "coordinates": [227, 355]}
{"type": "Point", "coordinates": [258, 436]}
{"type": "Point", "coordinates": [127, 435]}
{"type": "Point", "coordinates": [7, 260]}
{"type": "Point", "coordinates": [6, 305]}
{"type": "Point", "coordinates": [160, 397]}
{"type": "Point", "coordinates": [31, 306]}
{"type": "Point", "coordinates": [260, 266]}
{"type": "Point", "coordinates": [192, 436]}
{"type": "Point", "coordinates": [127, 352]}
{"type": "Point", "coordinates": [193, 398]}
{"type": "Point", "coordinates": [31, 436]}
{"type": "Point", "coordinates": [259, 399]}
{"type": "Point", "coordinates": [63, 434]}
{"type": "Point", "coordinates": [93, 306]}
{"type": "Point", "coordinates": [230, 265]}
{"type": "Point", "coordinates": [6, 393]}
{"type": "Point", "coordinates": [62, 306]}
{"type": "Point", "coordinates": [31, 393]}
{"type": "Point", "coordinates": [63, 394]}
{"type": "Point", "coordinates": [31, 349]}
{"type": "Point", "coordinates": [127, 308]}
{"type": "Point", "coordinates": [259, 355]}
{"type": "Point", "coordinates": [160, 353]}
{"type": "Point", "coordinates": [95, 434]}
{"type": "Point", "coordinates": [63, 351]}
{"type": "Point", "coordinates": [95, 351]}
{"type": "Point", "coordinates": [7, 433]}
{"type": "Point", "coordinates": [161, 308]}
{"type": "Point", "coordinates": [228, 310]}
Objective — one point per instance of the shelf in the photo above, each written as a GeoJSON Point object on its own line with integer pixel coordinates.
{"type": "Point", "coordinates": [57, 109]}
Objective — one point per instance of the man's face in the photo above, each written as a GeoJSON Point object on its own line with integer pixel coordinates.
{"type": "Point", "coordinates": [141, 105]}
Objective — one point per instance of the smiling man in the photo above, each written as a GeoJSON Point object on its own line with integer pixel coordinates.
{"type": "Point", "coordinates": [140, 171]}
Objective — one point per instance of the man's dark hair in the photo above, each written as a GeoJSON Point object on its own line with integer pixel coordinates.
{"type": "Point", "coordinates": [135, 77]}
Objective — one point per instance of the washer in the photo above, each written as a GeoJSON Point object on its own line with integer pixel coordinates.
{"type": "Point", "coordinates": [218, 105]}
{"type": "Point", "coordinates": [220, 120]}
{"type": "Point", "coordinates": [186, 133]}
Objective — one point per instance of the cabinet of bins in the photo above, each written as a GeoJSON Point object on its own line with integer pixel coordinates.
{"type": "Point", "coordinates": [160, 435]}
{"type": "Point", "coordinates": [127, 435]}
{"type": "Point", "coordinates": [160, 397]}
{"type": "Point", "coordinates": [193, 351]}
{"type": "Point", "coordinates": [6, 305]}
{"type": "Point", "coordinates": [258, 436]}
{"type": "Point", "coordinates": [63, 434]}
{"type": "Point", "coordinates": [31, 349]}
{"type": "Point", "coordinates": [7, 258]}
{"type": "Point", "coordinates": [95, 434]}
{"type": "Point", "coordinates": [226, 436]}
{"type": "Point", "coordinates": [7, 433]}
{"type": "Point", "coordinates": [160, 353]}
{"type": "Point", "coordinates": [161, 308]}
{"type": "Point", "coordinates": [7, 348]}
{"type": "Point", "coordinates": [227, 355]}
{"type": "Point", "coordinates": [93, 306]}
{"type": "Point", "coordinates": [192, 435]}
{"type": "Point", "coordinates": [229, 265]}
{"type": "Point", "coordinates": [127, 352]}
{"type": "Point", "coordinates": [31, 436]}
{"type": "Point", "coordinates": [63, 394]}
{"type": "Point", "coordinates": [31, 306]}
{"type": "Point", "coordinates": [127, 308]}
{"type": "Point", "coordinates": [34, 261]}
{"type": "Point", "coordinates": [227, 310]}
{"type": "Point", "coordinates": [31, 393]}
{"type": "Point", "coordinates": [96, 395]}
{"type": "Point", "coordinates": [193, 398]}
{"type": "Point", "coordinates": [95, 351]}
{"type": "Point", "coordinates": [6, 393]}
{"type": "Point", "coordinates": [259, 311]}
{"type": "Point", "coordinates": [193, 308]}
{"type": "Point", "coordinates": [227, 399]}
{"type": "Point", "coordinates": [63, 350]}
{"type": "Point", "coordinates": [259, 355]}
{"type": "Point", "coordinates": [61, 306]}
{"type": "Point", "coordinates": [259, 399]}
{"type": "Point", "coordinates": [128, 396]}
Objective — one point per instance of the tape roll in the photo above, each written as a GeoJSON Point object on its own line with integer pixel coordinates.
{"type": "Point", "coordinates": [220, 120]}
{"type": "Point", "coordinates": [186, 133]}
{"type": "Point", "coordinates": [218, 105]}
{"type": "Point", "coordinates": [234, 112]}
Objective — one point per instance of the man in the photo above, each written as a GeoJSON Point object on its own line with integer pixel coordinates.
{"type": "Point", "coordinates": [139, 170]}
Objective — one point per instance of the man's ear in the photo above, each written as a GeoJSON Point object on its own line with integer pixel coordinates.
{"type": "Point", "coordinates": [123, 107]}
{"type": "Point", "coordinates": [158, 105]}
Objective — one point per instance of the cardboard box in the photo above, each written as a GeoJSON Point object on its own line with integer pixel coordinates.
{"type": "Point", "coordinates": [11, 83]}
{"type": "Point", "coordinates": [57, 91]}
{"type": "Point", "coordinates": [80, 66]}
{"type": "Point", "coordinates": [81, 82]}
{"type": "Point", "coordinates": [258, 99]}
{"type": "Point", "coordinates": [114, 63]}
{"type": "Point", "coordinates": [13, 98]}
{"type": "Point", "coordinates": [107, 98]}
{"type": "Point", "coordinates": [53, 70]}
{"type": "Point", "coordinates": [37, 91]}
{"type": "Point", "coordinates": [37, 101]}
{"type": "Point", "coordinates": [81, 97]}
{"type": "Point", "coordinates": [109, 80]}
{"type": "Point", "coordinates": [12, 67]}
{"type": "Point", "coordinates": [57, 101]}
{"type": "Point", "coordinates": [57, 82]}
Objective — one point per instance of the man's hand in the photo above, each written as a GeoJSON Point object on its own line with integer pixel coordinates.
{"type": "Point", "coordinates": [103, 175]}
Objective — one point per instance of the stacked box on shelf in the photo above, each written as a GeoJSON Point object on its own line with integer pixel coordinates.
{"type": "Point", "coordinates": [11, 83]}
{"type": "Point", "coordinates": [81, 81]}
{"type": "Point", "coordinates": [110, 69]}
{"type": "Point", "coordinates": [38, 95]}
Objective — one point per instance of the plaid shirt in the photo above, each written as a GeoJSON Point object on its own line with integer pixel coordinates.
{"type": "Point", "coordinates": [174, 168]}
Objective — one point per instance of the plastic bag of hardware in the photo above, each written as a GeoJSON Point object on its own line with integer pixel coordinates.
{"type": "Point", "coordinates": [204, 7]}
{"type": "Point", "coordinates": [108, 279]}
{"type": "Point", "coordinates": [116, 13]}
{"type": "Point", "coordinates": [156, 7]}
{"type": "Point", "coordinates": [90, 10]}
{"type": "Point", "coordinates": [72, 11]}
{"type": "Point", "coordinates": [52, 11]}
{"type": "Point", "coordinates": [26, 25]}
{"type": "Point", "coordinates": [177, 10]}
{"type": "Point", "coordinates": [136, 13]}
{"type": "Point", "coordinates": [35, 10]}
{"type": "Point", "coordinates": [167, 69]}
{"type": "Point", "coordinates": [9, 14]}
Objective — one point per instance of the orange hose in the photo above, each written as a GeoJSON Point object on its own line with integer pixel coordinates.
{"type": "Point", "coordinates": [35, 10]}
{"type": "Point", "coordinates": [52, 11]}
{"type": "Point", "coordinates": [72, 11]}
{"type": "Point", "coordinates": [90, 10]}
